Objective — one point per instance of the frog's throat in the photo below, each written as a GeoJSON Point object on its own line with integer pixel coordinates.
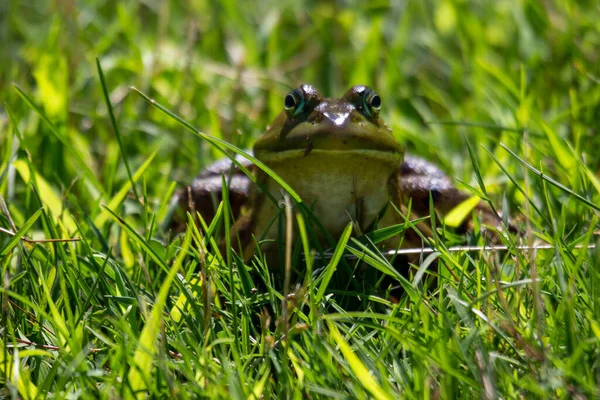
{"type": "Point", "coordinates": [269, 157]}
{"type": "Point", "coordinates": [339, 185]}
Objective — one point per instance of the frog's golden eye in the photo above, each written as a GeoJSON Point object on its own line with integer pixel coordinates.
{"type": "Point", "coordinates": [294, 102]}
{"type": "Point", "coordinates": [372, 102]}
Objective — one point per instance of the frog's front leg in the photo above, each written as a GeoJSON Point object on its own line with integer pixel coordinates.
{"type": "Point", "coordinates": [205, 192]}
{"type": "Point", "coordinates": [420, 179]}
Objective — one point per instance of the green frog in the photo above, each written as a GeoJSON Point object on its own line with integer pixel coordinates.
{"type": "Point", "coordinates": [345, 164]}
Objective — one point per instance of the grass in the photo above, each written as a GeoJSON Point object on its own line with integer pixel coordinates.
{"type": "Point", "coordinates": [503, 95]}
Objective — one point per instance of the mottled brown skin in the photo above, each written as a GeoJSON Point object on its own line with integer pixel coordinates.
{"type": "Point", "coordinates": [341, 158]}
{"type": "Point", "coordinates": [418, 178]}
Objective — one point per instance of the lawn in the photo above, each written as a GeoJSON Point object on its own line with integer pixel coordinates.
{"type": "Point", "coordinates": [100, 299]}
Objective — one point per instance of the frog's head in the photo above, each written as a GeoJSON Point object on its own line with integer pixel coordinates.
{"type": "Point", "coordinates": [310, 123]}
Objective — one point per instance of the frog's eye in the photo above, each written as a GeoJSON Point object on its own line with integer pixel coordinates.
{"type": "Point", "coordinates": [371, 102]}
{"type": "Point", "coordinates": [294, 102]}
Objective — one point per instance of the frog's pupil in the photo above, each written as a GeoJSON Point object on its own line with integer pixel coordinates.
{"type": "Point", "coordinates": [289, 102]}
{"type": "Point", "coordinates": [376, 102]}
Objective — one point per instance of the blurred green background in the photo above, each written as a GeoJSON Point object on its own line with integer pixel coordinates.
{"type": "Point", "coordinates": [225, 66]}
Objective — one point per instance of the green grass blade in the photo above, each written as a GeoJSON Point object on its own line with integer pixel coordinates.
{"type": "Point", "coordinates": [363, 375]}
{"type": "Point", "coordinates": [113, 121]}
{"type": "Point", "coordinates": [458, 214]}
{"type": "Point", "coordinates": [305, 244]}
{"type": "Point", "coordinates": [551, 181]}
{"type": "Point", "coordinates": [140, 373]}
{"type": "Point", "coordinates": [10, 367]}
{"type": "Point", "coordinates": [564, 157]}
{"type": "Point", "coordinates": [48, 196]}
{"type": "Point", "coordinates": [335, 259]}
{"type": "Point", "coordinates": [477, 170]}
{"type": "Point", "coordinates": [388, 232]}
{"type": "Point", "coordinates": [14, 240]}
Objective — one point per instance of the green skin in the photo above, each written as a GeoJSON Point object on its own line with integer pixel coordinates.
{"type": "Point", "coordinates": [345, 164]}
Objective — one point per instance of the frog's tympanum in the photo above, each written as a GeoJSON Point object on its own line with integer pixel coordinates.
{"type": "Point", "coordinates": [342, 160]}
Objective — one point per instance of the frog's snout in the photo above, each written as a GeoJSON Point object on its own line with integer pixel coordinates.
{"type": "Point", "coordinates": [337, 118]}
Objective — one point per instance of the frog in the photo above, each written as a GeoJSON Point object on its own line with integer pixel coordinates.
{"type": "Point", "coordinates": [345, 164]}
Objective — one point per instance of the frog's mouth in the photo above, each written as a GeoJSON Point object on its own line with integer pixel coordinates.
{"type": "Point", "coordinates": [317, 154]}
{"type": "Point", "coordinates": [350, 137]}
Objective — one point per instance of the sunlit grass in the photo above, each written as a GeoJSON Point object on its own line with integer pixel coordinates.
{"type": "Point", "coordinates": [504, 96]}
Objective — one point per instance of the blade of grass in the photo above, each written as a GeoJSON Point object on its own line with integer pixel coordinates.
{"type": "Point", "coordinates": [514, 181]}
{"type": "Point", "coordinates": [48, 196]}
{"type": "Point", "coordinates": [228, 253]}
{"type": "Point", "coordinates": [550, 180]}
{"type": "Point", "coordinates": [19, 234]}
{"type": "Point", "coordinates": [458, 214]}
{"type": "Point", "coordinates": [11, 367]}
{"type": "Point", "coordinates": [363, 375]}
{"type": "Point", "coordinates": [564, 157]}
{"type": "Point", "coordinates": [113, 121]}
{"type": "Point", "coordinates": [335, 259]}
{"type": "Point", "coordinates": [478, 176]}
{"type": "Point", "coordinates": [140, 373]}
